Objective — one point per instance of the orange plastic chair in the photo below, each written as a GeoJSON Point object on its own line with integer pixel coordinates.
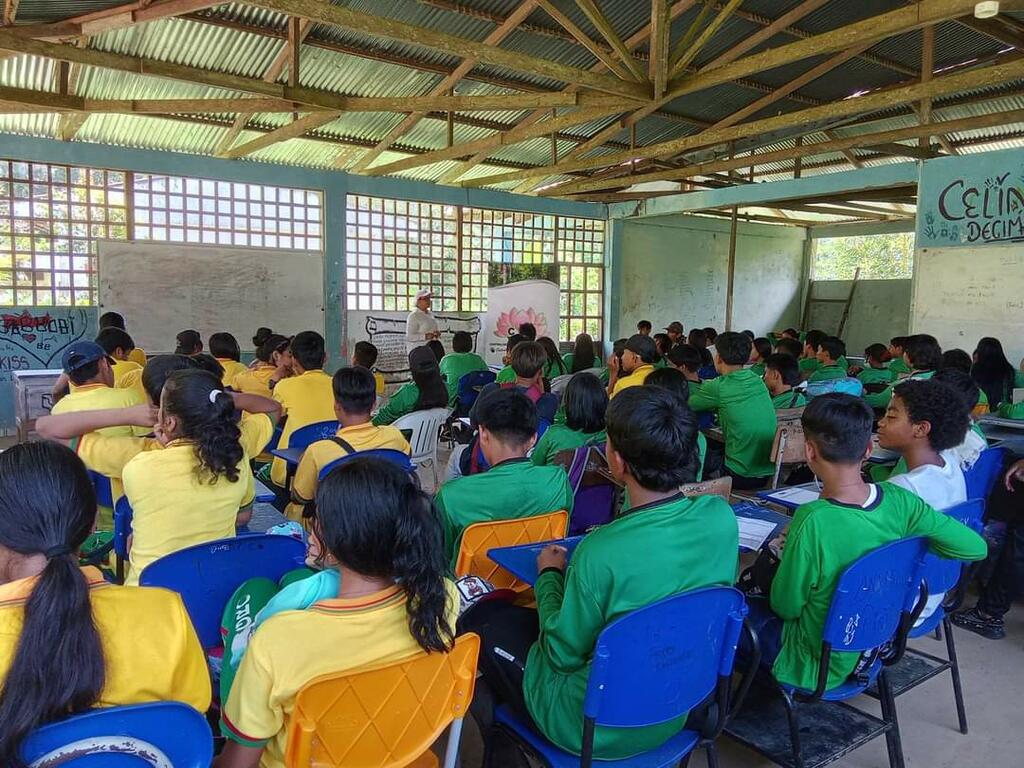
{"type": "Point", "coordinates": [386, 716]}
{"type": "Point", "coordinates": [480, 537]}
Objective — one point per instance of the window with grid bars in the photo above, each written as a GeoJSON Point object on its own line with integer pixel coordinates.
{"type": "Point", "coordinates": [51, 217]}
{"type": "Point", "coordinates": [395, 247]}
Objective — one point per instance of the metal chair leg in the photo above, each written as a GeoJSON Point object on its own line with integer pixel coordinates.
{"type": "Point", "coordinates": [712, 754]}
{"type": "Point", "coordinates": [954, 671]}
{"type": "Point", "coordinates": [893, 739]}
{"type": "Point", "coordinates": [794, 730]}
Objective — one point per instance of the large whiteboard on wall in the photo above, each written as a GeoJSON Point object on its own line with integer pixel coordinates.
{"type": "Point", "coordinates": [163, 288]}
{"type": "Point", "coordinates": [962, 294]}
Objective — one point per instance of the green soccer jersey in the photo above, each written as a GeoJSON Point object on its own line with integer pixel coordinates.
{"type": "Point", "coordinates": [506, 375]}
{"type": "Point", "coordinates": [757, 369]}
{"type": "Point", "coordinates": [898, 367]}
{"type": "Point", "coordinates": [510, 490]}
{"type": "Point", "coordinates": [808, 365]}
{"type": "Point", "coordinates": [553, 370]}
{"type": "Point", "coordinates": [650, 553]}
{"type": "Point", "coordinates": [826, 537]}
{"type": "Point", "coordinates": [455, 366]}
{"type": "Point", "coordinates": [828, 372]}
{"type": "Point", "coordinates": [875, 376]}
{"type": "Point", "coordinates": [400, 403]}
{"type": "Point", "coordinates": [790, 399]}
{"type": "Point", "coordinates": [881, 399]}
{"type": "Point", "coordinates": [747, 418]}
{"type": "Point", "coordinates": [1012, 411]}
{"type": "Point", "coordinates": [558, 438]}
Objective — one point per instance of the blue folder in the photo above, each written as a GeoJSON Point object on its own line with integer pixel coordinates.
{"type": "Point", "coordinates": [521, 560]}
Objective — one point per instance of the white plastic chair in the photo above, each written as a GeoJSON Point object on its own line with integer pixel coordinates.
{"type": "Point", "coordinates": [426, 429]}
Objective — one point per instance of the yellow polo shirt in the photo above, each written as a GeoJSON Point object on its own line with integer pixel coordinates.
{"type": "Point", "coordinates": [635, 379]}
{"type": "Point", "coordinates": [294, 647]}
{"type": "Point", "coordinates": [132, 380]}
{"type": "Point", "coordinates": [306, 399]}
{"type": "Point", "coordinates": [362, 437]}
{"type": "Point", "coordinates": [150, 648]}
{"type": "Point", "coordinates": [231, 369]}
{"type": "Point", "coordinates": [138, 357]}
{"type": "Point", "coordinates": [255, 381]}
{"type": "Point", "coordinates": [121, 369]}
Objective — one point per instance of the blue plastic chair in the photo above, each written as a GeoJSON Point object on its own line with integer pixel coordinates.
{"type": "Point", "coordinates": [982, 477]}
{"type": "Point", "coordinates": [693, 636]}
{"type": "Point", "coordinates": [104, 493]}
{"type": "Point", "coordinates": [206, 575]}
{"type": "Point", "coordinates": [305, 436]}
{"type": "Point", "coordinates": [122, 532]}
{"type": "Point", "coordinates": [469, 387]}
{"type": "Point", "coordinates": [873, 606]}
{"type": "Point", "coordinates": [164, 733]}
{"type": "Point", "coordinates": [397, 458]}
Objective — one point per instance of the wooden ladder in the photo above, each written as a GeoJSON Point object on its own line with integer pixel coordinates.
{"type": "Point", "coordinates": [847, 302]}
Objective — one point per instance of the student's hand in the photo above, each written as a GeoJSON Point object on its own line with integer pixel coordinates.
{"type": "Point", "coordinates": [613, 363]}
{"type": "Point", "coordinates": [552, 556]}
{"type": "Point", "coordinates": [144, 415]}
{"type": "Point", "coordinates": [1014, 474]}
{"type": "Point", "coordinates": [853, 370]}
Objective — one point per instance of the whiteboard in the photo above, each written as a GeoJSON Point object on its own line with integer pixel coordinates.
{"type": "Point", "coordinates": [163, 288]}
{"type": "Point", "coordinates": [963, 294]}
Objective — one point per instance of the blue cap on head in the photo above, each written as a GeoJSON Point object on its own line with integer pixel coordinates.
{"type": "Point", "coordinates": [80, 354]}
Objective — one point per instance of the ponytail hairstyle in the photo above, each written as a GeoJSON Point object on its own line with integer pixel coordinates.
{"type": "Point", "coordinates": [583, 356]}
{"type": "Point", "coordinates": [273, 343]}
{"type": "Point", "coordinates": [426, 375]}
{"type": "Point", "coordinates": [554, 358]}
{"type": "Point", "coordinates": [48, 507]}
{"type": "Point", "coordinates": [375, 520]}
{"type": "Point", "coordinates": [206, 416]}
{"type": "Point", "coordinates": [262, 334]}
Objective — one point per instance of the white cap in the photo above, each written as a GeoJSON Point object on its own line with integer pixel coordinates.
{"type": "Point", "coordinates": [424, 293]}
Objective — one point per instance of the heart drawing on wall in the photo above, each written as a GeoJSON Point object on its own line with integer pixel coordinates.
{"type": "Point", "coordinates": [42, 334]}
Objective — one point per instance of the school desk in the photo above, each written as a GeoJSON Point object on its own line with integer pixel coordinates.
{"type": "Point", "coordinates": [792, 496]}
{"type": "Point", "coordinates": [292, 457]}
{"type": "Point", "coordinates": [263, 494]}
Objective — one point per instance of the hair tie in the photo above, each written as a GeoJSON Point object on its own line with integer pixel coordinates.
{"type": "Point", "coordinates": [213, 395]}
{"type": "Point", "coordinates": [60, 550]}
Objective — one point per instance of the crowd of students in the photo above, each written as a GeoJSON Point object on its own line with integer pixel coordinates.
{"type": "Point", "coordinates": [179, 435]}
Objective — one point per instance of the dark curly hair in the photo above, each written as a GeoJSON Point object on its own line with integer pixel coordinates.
{"type": "Point", "coordinates": [207, 420]}
{"type": "Point", "coordinates": [938, 404]}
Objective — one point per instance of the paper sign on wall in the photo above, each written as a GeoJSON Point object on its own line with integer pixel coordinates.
{"type": "Point", "coordinates": [509, 306]}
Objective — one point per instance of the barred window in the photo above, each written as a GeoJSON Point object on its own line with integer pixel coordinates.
{"type": "Point", "coordinates": [580, 247]}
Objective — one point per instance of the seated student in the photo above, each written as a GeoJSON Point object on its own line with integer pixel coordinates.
{"type": "Point", "coordinates": [809, 359]}
{"type": "Point", "coordinates": [632, 562]}
{"type": "Point", "coordinates": [876, 369]}
{"type": "Point", "coordinates": [381, 533]}
{"type": "Point", "coordinates": [676, 333]}
{"type": "Point", "coordinates": [555, 366]}
{"type": "Point", "coordinates": [116, 320]}
{"type": "Point", "coordinates": [675, 381]}
{"type": "Point", "coordinates": [850, 519]}
{"type": "Point", "coordinates": [897, 363]}
{"type": "Point", "coordinates": [354, 396]}
{"type": "Point", "coordinates": [118, 345]}
{"type": "Point", "coordinates": [91, 373]}
{"type": "Point", "coordinates": [635, 365]}
{"type": "Point", "coordinates": [306, 397]}
{"type": "Point", "coordinates": [188, 484]}
{"type": "Point", "coordinates": [224, 348]}
{"type": "Point", "coordinates": [528, 331]}
{"type": "Point", "coordinates": [273, 361]}
{"type": "Point", "coordinates": [791, 333]}
{"type": "Point", "coordinates": [70, 641]}
{"type": "Point", "coordinates": [712, 336]}
{"type": "Point", "coordinates": [506, 375]}
{"type": "Point", "coordinates": [923, 355]}
{"type": "Point", "coordinates": [644, 327]}
{"type": "Point", "coordinates": [435, 346]}
{"type": "Point", "coordinates": [262, 334]}
{"type": "Point", "coordinates": [663, 344]}
{"type": "Point", "coordinates": [759, 352]}
{"type": "Point", "coordinates": [188, 343]}
{"type": "Point", "coordinates": [957, 359]}
{"type": "Point", "coordinates": [994, 373]}
{"type": "Point", "coordinates": [426, 390]}
{"type": "Point", "coordinates": [513, 487]}
{"type": "Point", "coordinates": [460, 361]}
{"type": "Point", "coordinates": [781, 374]}
{"type": "Point", "coordinates": [788, 346]}
{"type": "Point", "coordinates": [527, 363]}
{"type": "Point", "coordinates": [688, 361]}
{"type": "Point", "coordinates": [745, 413]}
{"type": "Point", "coordinates": [699, 340]}
{"type": "Point", "coordinates": [364, 355]}
{"type": "Point", "coordinates": [831, 360]}
{"type": "Point", "coordinates": [583, 357]}
{"type": "Point", "coordinates": [585, 402]}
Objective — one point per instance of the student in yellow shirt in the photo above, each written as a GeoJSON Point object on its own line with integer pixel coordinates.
{"type": "Point", "coordinates": [381, 532]}
{"type": "Point", "coordinates": [306, 397]}
{"type": "Point", "coordinates": [273, 361]}
{"type": "Point", "coordinates": [224, 348]}
{"type": "Point", "coordinates": [69, 641]}
{"type": "Point", "coordinates": [188, 343]}
{"type": "Point", "coordinates": [86, 366]}
{"type": "Point", "coordinates": [636, 364]}
{"type": "Point", "coordinates": [189, 487]}
{"type": "Point", "coordinates": [354, 396]}
{"type": "Point", "coordinates": [116, 320]}
{"type": "Point", "coordinates": [118, 345]}
{"type": "Point", "coordinates": [364, 355]}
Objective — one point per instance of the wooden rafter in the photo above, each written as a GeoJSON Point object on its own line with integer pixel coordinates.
{"type": "Point", "coordinates": [117, 17]}
{"type": "Point", "coordinates": [997, 29]}
{"type": "Point", "coordinates": [686, 57]}
{"type": "Point", "coordinates": [602, 25]}
{"type": "Point", "coordinates": [927, 69]}
{"type": "Point", "coordinates": [603, 54]}
{"type": "Point", "coordinates": [661, 30]}
{"type": "Point", "coordinates": [766, 33]}
{"type": "Point", "coordinates": [10, 12]}
{"type": "Point", "coordinates": [293, 130]}
{"type": "Point", "coordinates": [849, 155]}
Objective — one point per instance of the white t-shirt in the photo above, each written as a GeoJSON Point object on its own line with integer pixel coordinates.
{"type": "Point", "coordinates": [417, 326]}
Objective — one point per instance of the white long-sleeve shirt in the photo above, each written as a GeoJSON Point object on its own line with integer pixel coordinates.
{"type": "Point", "coordinates": [417, 326]}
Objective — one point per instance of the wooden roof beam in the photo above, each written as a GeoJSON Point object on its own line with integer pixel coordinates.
{"type": "Point", "coordinates": [682, 58]}
{"type": "Point", "coordinates": [661, 31]}
{"type": "Point", "coordinates": [293, 130]}
{"type": "Point", "coordinates": [602, 54]}
{"type": "Point", "coordinates": [766, 33]}
{"type": "Point", "coordinates": [10, 12]}
{"type": "Point", "coordinates": [602, 25]}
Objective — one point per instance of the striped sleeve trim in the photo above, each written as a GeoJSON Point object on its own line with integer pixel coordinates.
{"type": "Point", "coordinates": [230, 730]}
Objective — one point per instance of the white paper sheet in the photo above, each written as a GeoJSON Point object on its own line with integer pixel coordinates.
{"type": "Point", "coordinates": [754, 532]}
{"type": "Point", "coordinates": [796, 495]}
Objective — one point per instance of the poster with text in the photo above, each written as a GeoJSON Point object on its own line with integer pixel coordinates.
{"type": "Point", "coordinates": [509, 306]}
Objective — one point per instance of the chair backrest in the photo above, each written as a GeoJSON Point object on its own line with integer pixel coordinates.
{"type": "Point", "coordinates": [104, 493]}
{"type": "Point", "coordinates": [383, 716]}
{"type": "Point", "coordinates": [163, 734]}
{"type": "Point", "coordinates": [872, 594]}
{"type": "Point", "coordinates": [480, 537]}
{"type": "Point", "coordinates": [982, 476]}
{"type": "Point", "coordinates": [788, 445]}
{"type": "Point", "coordinates": [721, 486]}
{"type": "Point", "coordinates": [942, 574]}
{"type": "Point", "coordinates": [657, 662]}
{"type": "Point", "coordinates": [305, 436]}
{"type": "Point", "coordinates": [470, 385]}
{"type": "Point", "coordinates": [397, 458]}
{"type": "Point", "coordinates": [206, 575]}
{"type": "Point", "coordinates": [559, 383]}
{"type": "Point", "coordinates": [788, 415]}
{"type": "Point", "coordinates": [425, 426]}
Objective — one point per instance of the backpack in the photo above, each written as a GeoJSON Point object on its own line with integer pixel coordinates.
{"type": "Point", "coordinates": [846, 386]}
{"type": "Point", "coordinates": [596, 497]}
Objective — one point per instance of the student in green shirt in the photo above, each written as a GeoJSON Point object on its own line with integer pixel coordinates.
{"type": "Point", "coordinates": [555, 366]}
{"type": "Point", "coordinates": [584, 402]}
{"type": "Point", "coordinates": [688, 361]}
{"type": "Point", "coordinates": [459, 362]}
{"type": "Point", "coordinates": [780, 376]}
{"type": "Point", "coordinates": [759, 353]}
{"type": "Point", "coordinates": [809, 362]}
{"type": "Point", "coordinates": [897, 363]}
{"type": "Point", "coordinates": [876, 370]}
{"type": "Point", "coordinates": [513, 487]}
{"type": "Point", "coordinates": [506, 375]}
{"type": "Point", "coordinates": [426, 390]}
{"type": "Point", "coordinates": [831, 360]}
{"type": "Point", "coordinates": [583, 356]}
{"type": "Point", "coordinates": [674, 381]}
{"type": "Point", "coordinates": [826, 536]}
{"type": "Point", "coordinates": [538, 662]}
{"type": "Point", "coordinates": [994, 374]}
{"type": "Point", "coordinates": [922, 356]}
{"type": "Point", "coordinates": [745, 412]}
{"type": "Point", "coordinates": [664, 345]}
